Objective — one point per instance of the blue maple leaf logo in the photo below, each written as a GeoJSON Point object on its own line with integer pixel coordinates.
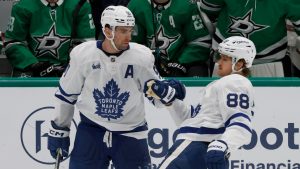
{"type": "Point", "coordinates": [110, 103]}
{"type": "Point", "coordinates": [195, 110]}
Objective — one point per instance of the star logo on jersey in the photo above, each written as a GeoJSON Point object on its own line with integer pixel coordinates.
{"type": "Point", "coordinates": [245, 26]}
{"type": "Point", "coordinates": [164, 42]}
{"type": "Point", "coordinates": [49, 43]}
{"type": "Point", "coordinates": [110, 103]}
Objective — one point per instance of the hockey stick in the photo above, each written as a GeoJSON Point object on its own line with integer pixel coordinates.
{"type": "Point", "coordinates": [58, 158]}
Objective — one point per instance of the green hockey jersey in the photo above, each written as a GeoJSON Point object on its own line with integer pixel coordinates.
{"type": "Point", "coordinates": [36, 32]}
{"type": "Point", "coordinates": [262, 21]}
{"type": "Point", "coordinates": [180, 33]}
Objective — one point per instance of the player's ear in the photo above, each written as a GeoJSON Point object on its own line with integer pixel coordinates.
{"type": "Point", "coordinates": [108, 31]}
{"type": "Point", "coordinates": [240, 64]}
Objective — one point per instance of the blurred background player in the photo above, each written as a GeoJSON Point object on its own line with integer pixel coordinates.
{"type": "Point", "coordinates": [97, 8]}
{"type": "Point", "coordinates": [221, 122]}
{"type": "Point", "coordinates": [262, 21]}
{"type": "Point", "coordinates": [174, 30]}
{"type": "Point", "coordinates": [41, 33]}
{"type": "Point", "coordinates": [293, 48]}
{"type": "Point", "coordinates": [105, 79]}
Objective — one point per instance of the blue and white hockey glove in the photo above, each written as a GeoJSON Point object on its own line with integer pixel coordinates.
{"type": "Point", "coordinates": [217, 155]}
{"type": "Point", "coordinates": [166, 91]}
{"type": "Point", "coordinates": [58, 137]}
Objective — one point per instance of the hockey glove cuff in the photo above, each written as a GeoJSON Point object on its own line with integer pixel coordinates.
{"type": "Point", "coordinates": [58, 137]}
{"type": "Point", "coordinates": [217, 155]}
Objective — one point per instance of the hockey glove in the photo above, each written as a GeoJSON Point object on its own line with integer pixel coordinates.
{"type": "Point", "coordinates": [58, 137]}
{"type": "Point", "coordinates": [166, 91]}
{"type": "Point", "coordinates": [217, 155]}
{"type": "Point", "coordinates": [45, 69]}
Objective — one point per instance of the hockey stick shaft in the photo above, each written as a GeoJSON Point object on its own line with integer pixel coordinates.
{"type": "Point", "coordinates": [58, 158]}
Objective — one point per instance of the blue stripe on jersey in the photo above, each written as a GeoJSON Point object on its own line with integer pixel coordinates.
{"type": "Point", "coordinates": [241, 125]}
{"type": "Point", "coordinates": [60, 97]}
{"type": "Point", "coordinates": [236, 116]}
{"type": "Point", "coordinates": [202, 130]}
{"type": "Point", "coordinates": [64, 93]}
{"type": "Point", "coordinates": [89, 122]}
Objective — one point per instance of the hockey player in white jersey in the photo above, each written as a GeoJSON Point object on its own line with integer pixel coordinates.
{"type": "Point", "coordinates": [105, 79]}
{"type": "Point", "coordinates": [221, 122]}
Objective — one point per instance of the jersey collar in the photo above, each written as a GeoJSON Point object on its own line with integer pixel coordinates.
{"type": "Point", "coordinates": [59, 2]}
{"type": "Point", "coordinates": [99, 46]}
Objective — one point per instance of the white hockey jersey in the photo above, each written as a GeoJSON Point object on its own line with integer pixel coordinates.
{"type": "Point", "coordinates": [108, 90]}
{"type": "Point", "coordinates": [224, 112]}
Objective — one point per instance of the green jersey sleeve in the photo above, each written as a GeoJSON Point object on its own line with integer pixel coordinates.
{"type": "Point", "coordinates": [198, 40]}
{"type": "Point", "coordinates": [212, 8]}
{"type": "Point", "coordinates": [16, 34]}
{"type": "Point", "coordinates": [293, 14]}
{"type": "Point", "coordinates": [85, 25]}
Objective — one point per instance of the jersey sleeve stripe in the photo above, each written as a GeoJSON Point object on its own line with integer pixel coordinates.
{"type": "Point", "coordinates": [202, 130]}
{"type": "Point", "coordinates": [60, 97]}
{"type": "Point", "coordinates": [209, 6]}
{"type": "Point", "coordinates": [237, 115]}
{"type": "Point", "coordinates": [65, 93]}
{"type": "Point", "coordinates": [240, 125]}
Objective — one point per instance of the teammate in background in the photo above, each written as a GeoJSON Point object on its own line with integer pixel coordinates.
{"type": "Point", "coordinates": [41, 33]}
{"type": "Point", "coordinates": [1, 42]}
{"type": "Point", "coordinates": [294, 48]}
{"type": "Point", "coordinates": [105, 79]}
{"type": "Point", "coordinates": [176, 34]}
{"type": "Point", "coordinates": [221, 122]}
{"type": "Point", "coordinates": [263, 22]}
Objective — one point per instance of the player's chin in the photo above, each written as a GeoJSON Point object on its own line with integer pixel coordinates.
{"type": "Point", "coordinates": [124, 46]}
{"type": "Point", "coordinates": [220, 72]}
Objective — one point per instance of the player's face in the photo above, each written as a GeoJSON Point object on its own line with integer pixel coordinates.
{"type": "Point", "coordinates": [225, 65]}
{"type": "Point", "coordinates": [123, 37]}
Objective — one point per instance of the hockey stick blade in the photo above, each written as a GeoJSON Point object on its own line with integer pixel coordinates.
{"type": "Point", "coordinates": [58, 158]}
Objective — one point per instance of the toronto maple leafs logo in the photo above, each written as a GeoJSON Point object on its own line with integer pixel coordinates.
{"type": "Point", "coordinates": [110, 103]}
{"type": "Point", "coordinates": [195, 110]}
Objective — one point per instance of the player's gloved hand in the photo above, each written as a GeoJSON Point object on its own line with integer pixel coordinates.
{"type": "Point", "coordinates": [166, 91]}
{"type": "Point", "coordinates": [45, 69]}
{"type": "Point", "coordinates": [167, 68]}
{"type": "Point", "coordinates": [176, 69]}
{"type": "Point", "coordinates": [58, 137]}
{"type": "Point", "coordinates": [217, 155]}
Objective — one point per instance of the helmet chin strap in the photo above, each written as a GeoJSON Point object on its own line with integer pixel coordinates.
{"type": "Point", "coordinates": [111, 40]}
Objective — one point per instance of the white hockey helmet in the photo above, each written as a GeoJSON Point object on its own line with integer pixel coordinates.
{"type": "Point", "coordinates": [117, 16]}
{"type": "Point", "coordinates": [238, 47]}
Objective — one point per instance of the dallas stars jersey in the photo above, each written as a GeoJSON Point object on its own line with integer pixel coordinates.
{"type": "Point", "coordinates": [224, 112]}
{"type": "Point", "coordinates": [262, 21]}
{"type": "Point", "coordinates": [110, 88]}
{"type": "Point", "coordinates": [181, 36]}
{"type": "Point", "coordinates": [38, 33]}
